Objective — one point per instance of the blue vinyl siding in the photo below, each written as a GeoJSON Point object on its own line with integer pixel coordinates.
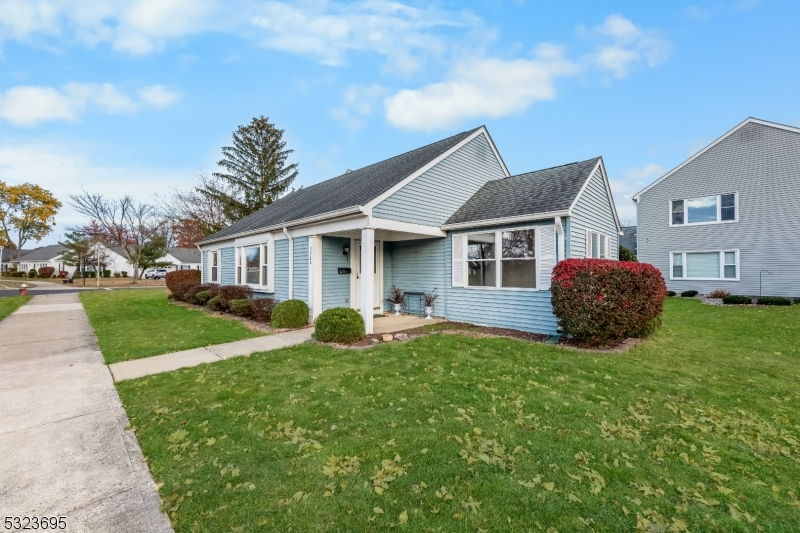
{"type": "Point", "coordinates": [282, 270]}
{"type": "Point", "coordinates": [435, 195]}
{"type": "Point", "coordinates": [522, 310]}
{"type": "Point", "coordinates": [227, 260]}
{"type": "Point", "coordinates": [335, 286]}
{"type": "Point", "coordinates": [593, 211]}
{"type": "Point", "coordinates": [300, 269]}
{"type": "Point", "coordinates": [417, 266]}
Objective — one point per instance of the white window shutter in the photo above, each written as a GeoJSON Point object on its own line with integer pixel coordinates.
{"type": "Point", "coordinates": [588, 253]}
{"type": "Point", "coordinates": [271, 265]}
{"type": "Point", "coordinates": [547, 255]}
{"type": "Point", "coordinates": [458, 261]}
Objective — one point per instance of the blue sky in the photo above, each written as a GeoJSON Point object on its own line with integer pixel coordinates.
{"type": "Point", "coordinates": [138, 96]}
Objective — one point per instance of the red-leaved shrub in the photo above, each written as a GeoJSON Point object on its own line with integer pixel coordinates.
{"type": "Point", "coordinates": [46, 272]}
{"type": "Point", "coordinates": [598, 301]}
{"type": "Point", "coordinates": [227, 293]}
{"type": "Point", "coordinates": [179, 276]}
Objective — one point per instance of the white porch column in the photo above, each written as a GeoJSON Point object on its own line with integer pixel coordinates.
{"type": "Point", "coordinates": [367, 276]}
{"type": "Point", "coordinates": [315, 275]}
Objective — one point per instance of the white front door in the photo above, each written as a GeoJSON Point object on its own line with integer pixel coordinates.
{"type": "Point", "coordinates": [355, 277]}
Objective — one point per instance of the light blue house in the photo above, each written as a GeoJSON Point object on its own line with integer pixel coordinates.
{"type": "Point", "coordinates": [447, 216]}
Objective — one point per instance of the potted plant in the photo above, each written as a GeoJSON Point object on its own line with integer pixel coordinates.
{"type": "Point", "coordinates": [397, 298]}
{"type": "Point", "coordinates": [429, 297]}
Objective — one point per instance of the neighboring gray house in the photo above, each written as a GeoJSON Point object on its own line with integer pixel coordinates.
{"type": "Point", "coordinates": [446, 217]}
{"type": "Point", "coordinates": [727, 218]}
{"type": "Point", "coordinates": [628, 238]}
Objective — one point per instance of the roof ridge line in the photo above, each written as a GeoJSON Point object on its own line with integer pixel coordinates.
{"type": "Point", "coordinates": [557, 166]}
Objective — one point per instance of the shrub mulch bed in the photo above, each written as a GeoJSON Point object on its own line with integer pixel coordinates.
{"type": "Point", "coordinates": [248, 323]}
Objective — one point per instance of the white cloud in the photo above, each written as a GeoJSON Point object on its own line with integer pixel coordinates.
{"type": "Point", "coordinates": [481, 87]}
{"type": "Point", "coordinates": [357, 105]}
{"type": "Point", "coordinates": [744, 5]}
{"type": "Point", "coordinates": [28, 105]}
{"type": "Point", "coordinates": [630, 45]}
{"type": "Point", "coordinates": [65, 168]}
{"type": "Point", "coordinates": [642, 176]}
{"type": "Point", "coordinates": [158, 96]}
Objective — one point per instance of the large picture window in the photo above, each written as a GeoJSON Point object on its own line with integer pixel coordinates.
{"type": "Point", "coordinates": [704, 210]}
{"type": "Point", "coordinates": [252, 265]}
{"type": "Point", "coordinates": [722, 265]}
{"type": "Point", "coordinates": [514, 267]}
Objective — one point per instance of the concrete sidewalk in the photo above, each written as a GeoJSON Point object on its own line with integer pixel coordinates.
{"type": "Point", "coordinates": [197, 356]}
{"type": "Point", "coordinates": [63, 443]}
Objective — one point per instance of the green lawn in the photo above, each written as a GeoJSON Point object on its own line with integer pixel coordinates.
{"type": "Point", "coordinates": [136, 323]}
{"type": "Point", "coordinates": [9, 304]}
{"type": "Point", "coordinates": [696, 430]}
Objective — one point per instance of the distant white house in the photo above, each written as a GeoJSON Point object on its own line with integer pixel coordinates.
{"type": "Point", "coordinates": [182, 258]}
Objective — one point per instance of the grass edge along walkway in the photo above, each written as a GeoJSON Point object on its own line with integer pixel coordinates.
{"type": "Point", "coordinates": [142, 323]}
{"type": "Point", "coordinates": [696, 429]}
{"type": "Point", "coordinates": [9, 304]}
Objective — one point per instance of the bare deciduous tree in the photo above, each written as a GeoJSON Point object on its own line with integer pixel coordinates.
{"type": "Point", "coordinates": [195, 207]}
{"type": "Point", "coordinates": [124, 222]}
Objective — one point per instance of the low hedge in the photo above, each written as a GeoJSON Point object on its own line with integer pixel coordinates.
{"type": "Point", "coordinates": [239, 307]}
{"type": "Point", "coordinates": [214, 304]}
{"type": "Point", "coordinates": [600, 301]}
{"type": "Point", "coordinates": [261, 309]}
{"type": "Point", "coordinates": [47, 272]}
{"type": "Point", "coordinates": [179, 276]}
{"type": "Point", "coordinates": [671, 294]}
{"type": "Point", "coordinates": [202, 297]}
{"type": "Point", "coordinates": [340, 324]}
{"type": "Point", "coordinates": [689, 294]}
{"type": "Point", "coordinates": [190, 294]}
{"type": "Point", "coordinates": [290, 314]}
{"type": "Point", "coordinates": [228, 293]}
{"type": "Point", "coordinates": [183, 289]}
{"type": "Point", "coordinates": [737, 300]}
{"type": "Point", "coordinates": [773, 300]}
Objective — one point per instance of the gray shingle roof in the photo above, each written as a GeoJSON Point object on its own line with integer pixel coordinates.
{"type": "Point", "coordinates": [185, 255]}
{"type": "Point", "coordinates": [351, 189]}
{"type": "Point", "coordinates": [542, 191]}
{"type": "Point", "coordinates": [628, 238]}
{"type": "Point", "coordinates": [43, 253]}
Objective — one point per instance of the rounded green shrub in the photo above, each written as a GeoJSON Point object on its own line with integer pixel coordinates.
{"type": "Point", "coordinates": [689, 294]}
{"type": "Point", "coordinates": [737, 300]}
{"type": "Point", "coordinates": [239, 306]}
{"type": "Point", "coordinates": [671, 293]}
{"type": "Point", "coordinates": [215, 304]}
{"type": "Point", "coordinates": [340, 324]}
{"type": "Point", "coordinates": [626, 255]}
{"type": "Point", "coordinates": [202, 297]}
{"type": "Point", "coordinates": [290, 314]}
{"type": "Point", "coordinates": [773, 300]}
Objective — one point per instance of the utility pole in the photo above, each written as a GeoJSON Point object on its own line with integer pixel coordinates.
{"type": "Point", "coordinates": [97, 263]}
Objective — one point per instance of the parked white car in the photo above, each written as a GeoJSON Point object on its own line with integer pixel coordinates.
{"type": "Point", "coordinates": [156, 273]}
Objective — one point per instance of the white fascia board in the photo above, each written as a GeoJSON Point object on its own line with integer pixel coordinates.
{"type": "Point", "coordinates": [480, 131]}
{"type": "Point", "coordinates": [332, 226]}
{"type": "Point", "coordinates": [506, 220]}
{"type": "Point", "coordinates": [405, 227]}
{"type": "Point", "coordinates": [712, 145]}
{"type": "Point", "coordinates": [294, 223]}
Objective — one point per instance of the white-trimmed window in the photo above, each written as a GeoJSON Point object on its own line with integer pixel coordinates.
{"type": "Point", "coordinates": [711, 209]}
{"type": "Point", "coordinates": [213, 259]}
{"type": "Point", "coordinates": [597, 245]}
{"type": "Point", "coordinates": [252, 265]}
{"type": "Point", "coordinates": [515, 259]}
{"type": "Point", "coordinates": [706, 265]}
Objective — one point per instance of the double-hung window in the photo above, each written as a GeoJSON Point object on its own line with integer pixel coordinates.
{"type": "Point", "coordinates": [502, 259]}
{"type": "Point", "coordinates": [597, 245]}
{"type": "Point", "coordinates": [214, 260]}
{"type": "Point", "coordinates": [723, 265]}
{"type": "Point", "coordinates": [704, 210]}
{"type": "Point", "coordinates": [252, 265]}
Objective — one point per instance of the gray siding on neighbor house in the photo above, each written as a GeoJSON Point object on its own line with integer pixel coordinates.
{"type": "Point", "coordinates": [760, 163]}
{"type": "Point", "coordinates": [300, 269]}
{"type": "Point", "coordinates": [227, 260]}
{"type": "Point", "coordinates": [418, 266]}
{"type": "Point", "coordinates": [335, 286]}
{"type": "Point", "coordinates": [593, 211]}
{"type": "Point", "coordinates": [522, 310]}
{"type": "Point", "coordinates": [435, 195]}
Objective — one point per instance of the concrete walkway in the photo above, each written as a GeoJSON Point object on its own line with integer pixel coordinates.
{"type": "Point", "coordinates": [64, 449]}
{"type": "Point", "coordinates": [187, 358]}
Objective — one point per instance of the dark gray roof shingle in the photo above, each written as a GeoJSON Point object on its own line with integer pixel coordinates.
{"type": "Point", "coordinates": [43, 253]}
{"type": "Point", "coordinates": [542, 191]}
{"type": "Point", "coordinates": [351, 189]}
{"type": "Point", "coordinates": [185, 255]}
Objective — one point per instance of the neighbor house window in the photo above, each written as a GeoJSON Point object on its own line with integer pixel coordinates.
{"type": "Point", "coordinates": [597, 245]}
{"type": "Point", "coordinates": [481, 260]}
{"type": "Point", "coordinates": [705, 265]}
{"type": "Point", "coordinates": [214, 267]}
{"type": "Point", "coordinates": [703, 210]}
{"type": "Point", "coordinates": [502, 259]}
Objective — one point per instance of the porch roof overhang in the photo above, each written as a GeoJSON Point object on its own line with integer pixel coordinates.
{"type": "Point", "coordinates": [507, 220]}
